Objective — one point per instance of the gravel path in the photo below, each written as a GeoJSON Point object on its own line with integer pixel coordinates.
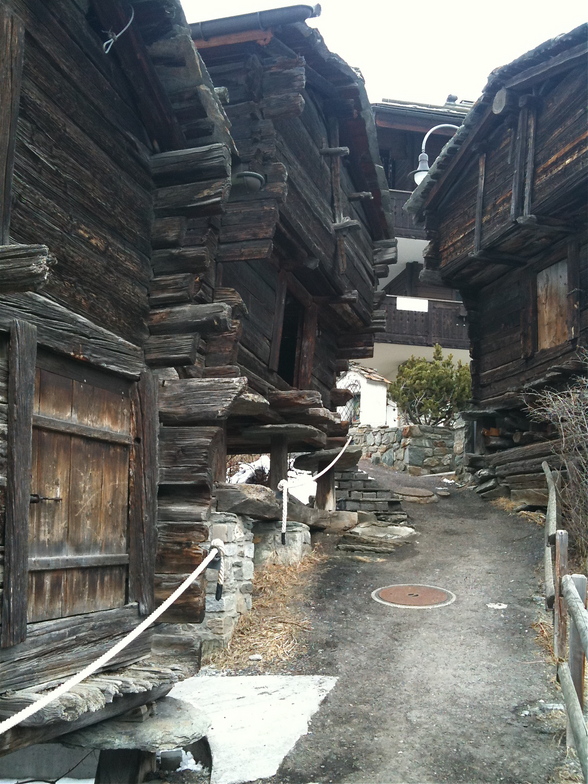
{"type": "Point", "coordinates": [454, 694]}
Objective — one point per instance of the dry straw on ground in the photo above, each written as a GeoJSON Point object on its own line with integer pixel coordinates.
{"type": "Point", "coordinates": [276, 628]}
{"type": "Point", "coordinates": [506, 505]}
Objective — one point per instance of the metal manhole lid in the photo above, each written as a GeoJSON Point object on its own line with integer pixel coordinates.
{"type": "Point", "coordinates": [415, 596]}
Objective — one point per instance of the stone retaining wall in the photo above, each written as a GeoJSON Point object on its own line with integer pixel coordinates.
{"type": "Point", "coordinates": [418, 449]}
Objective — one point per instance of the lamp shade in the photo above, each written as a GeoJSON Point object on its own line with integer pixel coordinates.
{"type": "Point", "coordinates": [422, 169]}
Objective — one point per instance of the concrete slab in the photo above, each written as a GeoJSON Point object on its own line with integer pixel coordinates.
{"type": "Point", "coordinates": [254, 720]}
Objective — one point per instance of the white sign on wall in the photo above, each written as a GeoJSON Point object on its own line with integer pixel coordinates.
{"type": "Point", "coordinates": [412, 303]}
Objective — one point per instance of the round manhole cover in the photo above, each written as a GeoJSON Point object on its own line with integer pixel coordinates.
{"type": "Point", "coordinates": [417, 597]}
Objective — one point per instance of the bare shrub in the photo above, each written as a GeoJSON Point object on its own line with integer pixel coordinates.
{"type": "Point", "coordinates": [568, 411]}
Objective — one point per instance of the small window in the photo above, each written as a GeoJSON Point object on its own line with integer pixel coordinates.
{"type": "Point", "coordinates": [552, 305]}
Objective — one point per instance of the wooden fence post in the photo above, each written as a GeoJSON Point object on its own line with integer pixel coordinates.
{"type": "Point", "coordinates": [560, 614]}
{"type": "Point", "coordinates": [576, 656]}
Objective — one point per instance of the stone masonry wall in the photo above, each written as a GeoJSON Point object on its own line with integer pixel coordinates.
{"type": "Point", "coordinates": [418, 449]}
{"type": "Point", "coordinates": [222, 615]}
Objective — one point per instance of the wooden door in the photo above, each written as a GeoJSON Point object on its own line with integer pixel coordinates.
{"type": "Point", "coordinates": [552, 305]}
{"type": "Point", "coordinates": [78, 524]}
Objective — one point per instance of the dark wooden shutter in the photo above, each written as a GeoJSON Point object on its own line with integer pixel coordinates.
{"type": "Point", "coordinates": [78, 545]}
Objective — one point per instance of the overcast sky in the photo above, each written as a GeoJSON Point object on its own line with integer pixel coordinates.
{"type": "Point", "coordinates": [422, 50]}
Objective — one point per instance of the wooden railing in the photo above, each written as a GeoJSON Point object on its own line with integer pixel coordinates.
{"type": "Point", "coordinates": [403, 222]}
{"type": "Point", "coordinates": [444, 323]}
{"type": "Point", "coordinates": [566, 594]}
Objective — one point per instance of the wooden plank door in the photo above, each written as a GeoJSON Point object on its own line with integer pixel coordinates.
{"type": "Point", "coordinates": [78, 524]}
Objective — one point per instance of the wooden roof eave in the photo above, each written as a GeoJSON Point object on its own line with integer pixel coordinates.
{"type": "Point", "coordinates": [515, 77]}
{"type": "Point", "coordinates": [153, 104]}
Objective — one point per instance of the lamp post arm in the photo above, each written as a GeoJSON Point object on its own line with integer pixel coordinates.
{"type": "Point", "coordinates": [437, 128]}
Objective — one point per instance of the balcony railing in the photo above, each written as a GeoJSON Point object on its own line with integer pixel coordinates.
{"type": "Point", "coordinates": [444, 323]}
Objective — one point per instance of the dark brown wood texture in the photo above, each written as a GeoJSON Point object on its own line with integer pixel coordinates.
{"type": "Point", "coordinates": [66, 332]}
{"type": "Point", "coordinates": [21, 382]}
{"type": "Point", "coordinates": [444, 323]}
{"type": "Point", "coordinates": [143, 493]}
{"type": "Point", "coordinates": [59, 648]}
{"type": "Point", "coordinates": [552, 305]}
{"type": "Point", "coordinates": [77, 135]}
{"type": "Point", "coordinates": [11, 58]}
{"type": "Point", "coordinates": [90, 476]}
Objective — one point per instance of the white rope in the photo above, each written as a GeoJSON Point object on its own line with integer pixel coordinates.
{"type": "Point", "coordinates": [107, 45]}
{"type": "Point", "coordinates": [219, 545]}
{"type": "Point", "coordinates": [51, 696]}
{"type": "Point", "coordinates": [286, 484]}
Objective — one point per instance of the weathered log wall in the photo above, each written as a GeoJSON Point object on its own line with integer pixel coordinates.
{"type": "Point", "coordinates": [82, 184]}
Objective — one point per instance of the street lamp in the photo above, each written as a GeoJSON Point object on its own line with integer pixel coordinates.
{"type": "Point", "coordinates": [423, 166]}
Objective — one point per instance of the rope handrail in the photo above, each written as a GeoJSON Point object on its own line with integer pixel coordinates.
{"type": "Point", "coordinates": [285, 484]}
{"type": "Point", "coordinates": [216, 548]}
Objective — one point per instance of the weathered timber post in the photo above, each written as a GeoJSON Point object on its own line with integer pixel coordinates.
{"type": "Point", "coordinates": [278, 461]}
{"type": "Point", "coordinates": [325, 489]}
{"type": "Point", "coordinates": [576, 655]}
{"type": "Point", "coordinates": [560, 615]}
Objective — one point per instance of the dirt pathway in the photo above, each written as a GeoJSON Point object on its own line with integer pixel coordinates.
{"type": "Point", "coordinates": [442, 695]}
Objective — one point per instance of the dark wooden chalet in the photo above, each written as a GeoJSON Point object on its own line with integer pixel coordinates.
{"type": "Point", "coordinates": [305, 250]}
{"type": "Point", "coordinates": [505, 208]}
{"type": "Point", "coordinates": [155, 313]}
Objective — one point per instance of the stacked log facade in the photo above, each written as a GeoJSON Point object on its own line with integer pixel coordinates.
{"type": "Point", "coordinates": [146, 303]}
{"type": "Point", "coordinates": [506, 216]}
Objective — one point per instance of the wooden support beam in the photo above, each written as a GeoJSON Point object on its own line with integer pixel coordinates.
{"type": "Point", "coordinates": [21, 390]}
{"type": "Point", "coordinates": [171, 350]}
{"type": "Point", "coordinates": [211, 317]}
{"type": "Point", "coordinates": [325, 490]}
{"type": "Point", "coordinates": [190, 401]}
{"type": "Point", "coordinates": [480, 202]}
{"type": "Point", "coordinates": [143, 493]}
{"type": "Point", "coordinates": [346, 224]}
{"type": "Point", "coordinates": [191, 165]}
{"type": "Point", "coordinates": [278, 461]}
{"type": "Point", "coordinates": [335, 152]}
{"type": "Point", "coordinates": [153, 105]}
{"type": "Point", "coordinates": [24, 267]}
{"type": "Point", "coordinates": [495, 257]}
{"type": "Point", "coordinates": [174, 289]}
{"type": "Point", "coordinates": [360, 196]}
{"type": "Point", "coordinates": [11, 60]}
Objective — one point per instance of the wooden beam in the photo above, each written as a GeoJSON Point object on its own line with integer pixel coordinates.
{"type": "Point", "coordinates": [261, 37]}
{"type": "Point", "coordinates": [518, 177]}
{"type": "Point", "coordinates": [555, 65]}
{"type": "Point", "coordinates": [24, 267]}
{"type": "Point", "coordinates": [143, 494]}
{"type": "Point", "coordinates": [495, 257]}
{"type": "Point", "coordinates": [68, 333]}
{"type": "Point", "coordinates": [11, 60]}
{"type": "Point", "coordinates": [325, 490]}
{"type": "Point", "coordinates": [278, 461]}
{"type": "Point", "coordinates": [21, 390]}
{"type": "Point", "coordinates": [480, 202]}
{"type": "Point", "coordinates": [153, 105]}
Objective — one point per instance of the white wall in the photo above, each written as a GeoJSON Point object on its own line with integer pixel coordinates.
{"type": "Point", "coordinates": [373, 407]}
{"type": "Point", "coordinates": [373, 404]}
